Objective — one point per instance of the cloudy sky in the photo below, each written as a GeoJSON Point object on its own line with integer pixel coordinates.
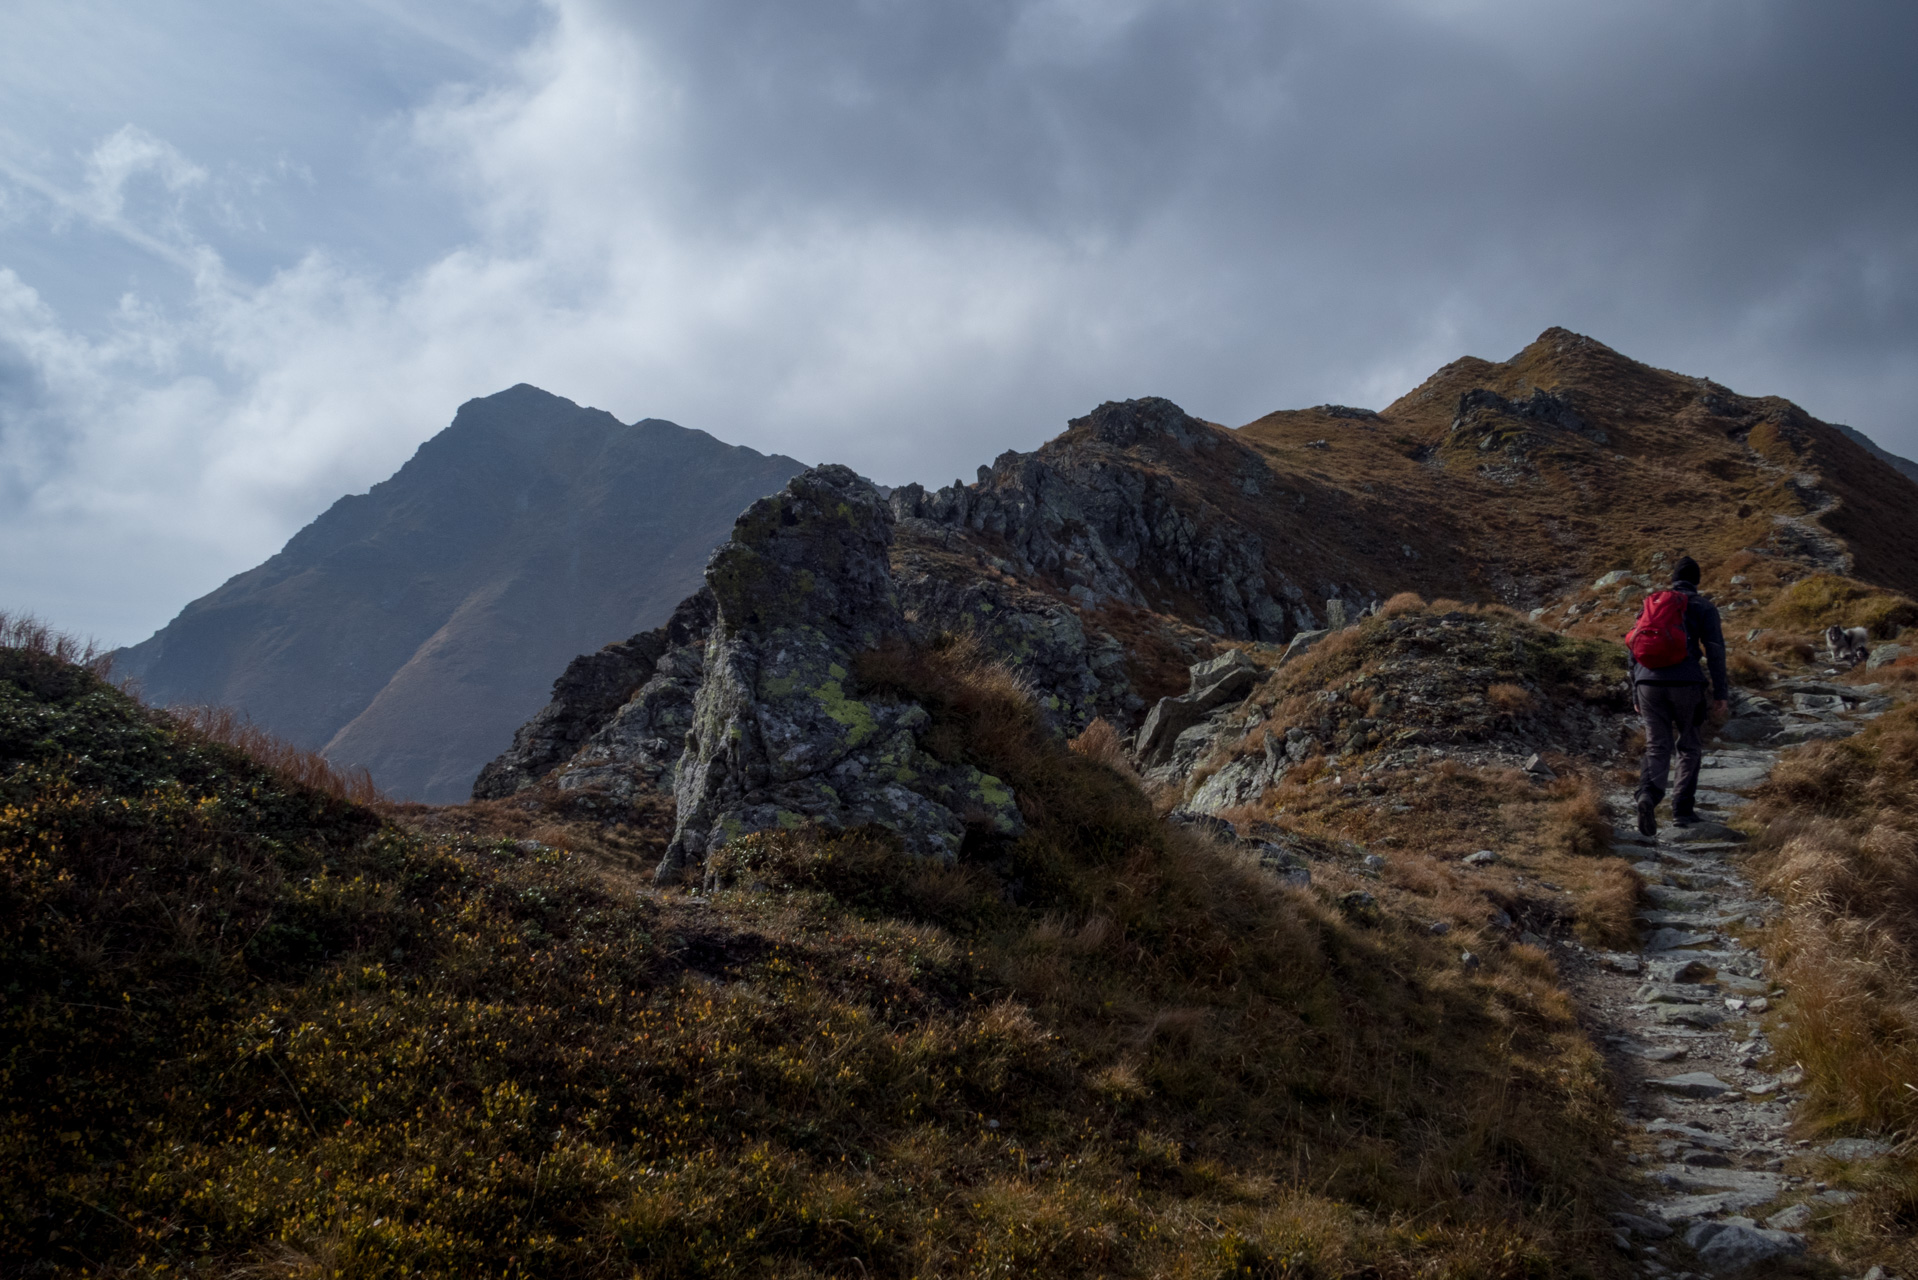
{"type": "Point", "coordinates": [252, 255]}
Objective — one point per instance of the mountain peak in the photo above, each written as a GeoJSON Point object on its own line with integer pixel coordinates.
{"type": "Point", "coordinates": [410, 629]}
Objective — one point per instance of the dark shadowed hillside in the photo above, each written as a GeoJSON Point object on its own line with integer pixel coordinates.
{"type": "Point", "coordinates": [410, 628]}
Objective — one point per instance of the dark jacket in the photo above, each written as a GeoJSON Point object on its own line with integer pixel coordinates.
{"type": "Point", "coordinates": [1705, 639]}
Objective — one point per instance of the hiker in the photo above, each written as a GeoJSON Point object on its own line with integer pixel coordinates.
{"type": "Point", "coordinates": [1675, 628]}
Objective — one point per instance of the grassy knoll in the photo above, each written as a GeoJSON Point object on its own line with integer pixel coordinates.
{"type": "Point", "coordinates": [250, 1027]}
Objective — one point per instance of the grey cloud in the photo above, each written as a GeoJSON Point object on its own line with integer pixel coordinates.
{"type": "Point", "coordinates": [1649, 168]}
{"type": "Point", "coordinates": [910, 235]}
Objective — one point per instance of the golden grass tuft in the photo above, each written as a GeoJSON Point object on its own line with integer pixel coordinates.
{"type": "Point", "coordinates": [1100, 742]}
{"type": "Point", "coordinates": [1750, 671]}
{"type": "Point", "coordinates": [1824, 600]}
{"type": "Point", "coordinates": [308, 768]}
{"type": "Point", "coordinates": [1577, 823]}
{"type": "Point", "coordinates": [1606, 911]}
{"type": "Point", "coordinates": [1512, 699]}
{"type": "Point", "coordinates": [1840, 850]}
{"type": "Point", "coordinates": [1403, 602]}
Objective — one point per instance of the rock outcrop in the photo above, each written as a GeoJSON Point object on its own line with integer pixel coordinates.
{"type": "Point", "coordinates": [1219, 682]}
{"type": "Point", "coordinates": [780, 735]}
{"type": "Point", "coordinates": [618, 716]}
{"type": "Point", "coordinates": [1077, 671]}
{"type": "Point", "coordinates": [1085, 514]}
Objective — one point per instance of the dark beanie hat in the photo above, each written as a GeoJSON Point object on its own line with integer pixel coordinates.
{"type": "Point", "coordinates": [1686, 570]}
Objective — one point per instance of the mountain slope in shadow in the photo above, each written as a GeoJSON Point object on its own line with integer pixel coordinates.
{"type": "Point", "coordinates": [411, 628]}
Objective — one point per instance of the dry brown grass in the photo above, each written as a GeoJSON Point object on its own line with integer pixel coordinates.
{"type": "Point", "coordinates": [1577, 824]}
{"type": "Point", "coordinates": [1512, 699]}
{"type": "Point", "coordinates": [1170, 962]}
{"type": "Point", "coordinates": [1823, 600]}
{"type": "Point", "coordinates": [1903, 671]}
{"type": "Point", "coordinates": [1750, 671]}
{"type": "Point", "coordinates": [1101, 742]}
{"type": "Point", "coordinates": [1607, 909]}
{"type": "Point", "coordinates": [1840, 851]}
{"type": "Point", "coordinates": [309, 768]}
{"type": "Point", "coordinates": [1105, 1048]}
{"type": "Point", "coordinates": [25, 632]}
{"type": "Point", "coordinates": [1403, 602]}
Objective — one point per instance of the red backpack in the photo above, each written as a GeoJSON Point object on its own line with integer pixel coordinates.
{"type": "Point", "coordinates": [1658, 638]}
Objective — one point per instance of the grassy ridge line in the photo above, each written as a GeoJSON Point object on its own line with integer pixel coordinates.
{"type": "Point", "coordinates": [1839, 848]}
{"type": "Point", "coordinates": [247, 1025]}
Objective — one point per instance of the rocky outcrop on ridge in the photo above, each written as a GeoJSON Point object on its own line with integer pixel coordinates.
{"type": "Point", "coordinates": [780, 735]}
{"type": "Point", "coordinates": [1091, 514]}
{"type": "Point", "coordinates": [1482, 686]}
{"type": "Point", "coordinates": [1028, 560]}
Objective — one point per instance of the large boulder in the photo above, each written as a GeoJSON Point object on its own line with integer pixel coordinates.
{"type": "Point", "coordinates": [1215, 683]}
{"type": "Point", "coordinates": [1753, 719]}
{"type": "Point", "coordinates": [780, 736]}
{"type": "Point", "coordinates": [1726, 1247]}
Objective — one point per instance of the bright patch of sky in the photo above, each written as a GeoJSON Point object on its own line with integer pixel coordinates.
{"type": "Point", "coordinates": [251, 256]}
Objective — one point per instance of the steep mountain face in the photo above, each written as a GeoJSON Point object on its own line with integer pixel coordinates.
{"type": "Point", "coordinates": [411, 628]}
{"type": "Point", "coordinates": [1110, 567]}
{"type": "Point", "coordinates": [1903, 466]}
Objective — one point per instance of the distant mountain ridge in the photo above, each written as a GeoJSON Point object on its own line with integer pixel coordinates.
{"type": "Point", "coordinates": [1111, 570]}
{"type": "Point", "coordinates": [411, 628]}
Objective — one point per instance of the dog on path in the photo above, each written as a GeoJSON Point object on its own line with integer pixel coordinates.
{"type": "Point", "coordinates": [1847, 646]}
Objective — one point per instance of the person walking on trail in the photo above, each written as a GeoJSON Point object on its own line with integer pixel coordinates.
{"type": "Point", "coordinates": [1676, 628]}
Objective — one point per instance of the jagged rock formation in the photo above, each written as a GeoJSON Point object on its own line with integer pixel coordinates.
{"type": "Point", "coordinates": [1085, 516]}
{"type": "Point", "coordinates": [780, 737]}
{"type": "Point", "coordinates": [412, 628]}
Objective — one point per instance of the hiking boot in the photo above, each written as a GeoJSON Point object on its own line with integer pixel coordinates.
{"type": "Point", "coordinates": [1647, 824]}
{"type": "Point", "coordinates": [1686, 819]}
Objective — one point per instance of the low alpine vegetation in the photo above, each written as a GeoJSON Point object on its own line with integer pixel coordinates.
{"type": "Point", "coordinates": [250, 1026]}
{"type": "Point", "coordinates": [1840, 850]}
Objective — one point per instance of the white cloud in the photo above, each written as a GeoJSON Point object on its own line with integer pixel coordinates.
{"type": "Point", "coordinates": [133, 153]}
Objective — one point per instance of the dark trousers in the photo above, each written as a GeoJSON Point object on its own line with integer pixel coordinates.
{"type": "Point", "coordinates": [1673, 714]}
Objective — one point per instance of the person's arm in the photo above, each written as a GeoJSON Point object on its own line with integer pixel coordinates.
{"type": "Point", "coordinates": [1713, 634]}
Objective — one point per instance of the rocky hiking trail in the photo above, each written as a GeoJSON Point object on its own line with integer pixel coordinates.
{"type": "Point", "coordinates": [1726, 1188]}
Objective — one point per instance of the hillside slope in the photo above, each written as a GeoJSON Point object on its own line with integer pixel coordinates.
{"type": "Point", "coordinates": [1514, 481]}
{"type": "Point", "coordinates": [410, 628]}
{"type": "Point", "coordinates": [251, 1029]}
